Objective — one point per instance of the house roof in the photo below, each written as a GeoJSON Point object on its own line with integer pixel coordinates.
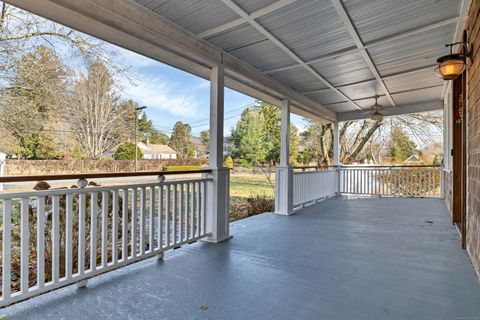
{"type": "Point", "coordinates": [156, 148]}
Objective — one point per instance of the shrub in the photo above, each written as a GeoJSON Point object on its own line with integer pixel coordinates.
{"type": "Point", "coordinates": [126, 151]}
{"type": "Point", "coordinates": [44, 167]}
{"type": "Point", "coordinates": [228, 163]}
{"type": "Point", "coordinates": [246, 207]}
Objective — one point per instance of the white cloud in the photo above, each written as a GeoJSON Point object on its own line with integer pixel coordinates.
{"type": "Point", "coordinates": [158, 94]}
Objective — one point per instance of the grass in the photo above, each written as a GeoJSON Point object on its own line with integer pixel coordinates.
{"type": "Point", "coordinates": [248, 185]}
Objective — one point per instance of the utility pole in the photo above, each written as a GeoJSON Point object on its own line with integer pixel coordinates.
{"type": "Point", "coordinates": [137, 115]}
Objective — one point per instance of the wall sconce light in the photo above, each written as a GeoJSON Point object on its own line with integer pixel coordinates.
{"type": "Point", "coordinates": [454, 64]}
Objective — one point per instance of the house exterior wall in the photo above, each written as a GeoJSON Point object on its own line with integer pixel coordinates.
{"type": "Point", "coordinates": [473, 137]}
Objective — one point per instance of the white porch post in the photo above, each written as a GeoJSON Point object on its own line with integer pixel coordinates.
{"type": "Point", "coordinates": [336, 154]}
{"type": "Point", "coordinates": [336, 144]}
{"type": "Point", "coordinates": [284, 174]}
{"type": "Point", "coordinates": [218, 191]}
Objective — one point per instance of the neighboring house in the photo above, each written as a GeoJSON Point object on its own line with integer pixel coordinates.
{"type": "Point", "coordinates": [157, 151]}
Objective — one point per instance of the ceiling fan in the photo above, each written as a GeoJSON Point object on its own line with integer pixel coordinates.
{"type": "Point", "coordinates": [376, 112]}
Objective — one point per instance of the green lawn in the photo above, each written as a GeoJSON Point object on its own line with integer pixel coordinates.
{"type": "Point", "coordinates": [246, 185]}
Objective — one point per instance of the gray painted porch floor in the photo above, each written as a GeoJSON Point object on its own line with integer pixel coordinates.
{"type": "Point", "coordinates": [338, 259]}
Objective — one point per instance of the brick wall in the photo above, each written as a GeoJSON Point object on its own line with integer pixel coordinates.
{"type": "Point", "coordinates": [473, 138]}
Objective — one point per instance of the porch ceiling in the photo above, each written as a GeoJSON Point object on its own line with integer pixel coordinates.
{"type": "Point", "coordinates": [328, 56]}
{"type": "Point", "coordinates": [339, 53]}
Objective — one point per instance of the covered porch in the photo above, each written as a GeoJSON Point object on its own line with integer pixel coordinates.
{"type": "Point", "coordinates": [338, 259]}
{"type": "Point", "coordinates": [321, 254]}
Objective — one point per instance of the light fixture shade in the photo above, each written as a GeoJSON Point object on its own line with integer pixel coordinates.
{"type": "Point", "coordinates": [376, 116]}
{"type": "Point", "coordinates": [451, 66]}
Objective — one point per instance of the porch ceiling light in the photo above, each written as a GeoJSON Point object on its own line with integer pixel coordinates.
{"type": "Point", "coordinates": [452, 65]}
{"type": "Point", "coordinates": [376, 116]}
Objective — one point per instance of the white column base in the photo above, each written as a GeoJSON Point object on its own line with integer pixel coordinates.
{"type": "Point", "coordinates": [284, 191]}
{"type": "Point", "coordinates": [218, 206]}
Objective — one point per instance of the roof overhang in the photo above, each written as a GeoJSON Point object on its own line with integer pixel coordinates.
{"type": "Point", "coordinates": [133, 27]}
{"type": "Point", "coordinates": [328, 57]}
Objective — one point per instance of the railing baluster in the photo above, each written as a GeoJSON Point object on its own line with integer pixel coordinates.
{"type": "Point", "coordinates": [189, 214]}
{"type": "Point", "coordinates": [204, 205]}
{"type": "Point", "coordinates": [105, 195]}
{"type": "Point", "coordinates": [143, 199]}
{"type": "Point", "coordinates": [93, 231]}
{"type": "Point", "coordinates": [55, 239]}
{"type": "Point", "coordinates": [160, 217]}
{"type": "Point", "coordinates": [181, 214]}
{"type": "Point", "coordinates": [167, 215]}
{"type": "Point", "coordinates": [175, 208]}
{"type": "Point", "coordinates": [68, 236]}
{"type": "Point", "coordinates": [133, 224]}
{"type": "Point", "coordinates": [151, 218]}
{"type": "Point", "coordinates": [81, 232]}
{"type": "Point", "coordinates": [125, 224]}
{"type": "Point", "coordinates": [193, 214]}
{"type": "Point", "coordinates": [429, 182]}
{"type": "Point", "coordinates": [24, 240]}
{"type": "Point", "coordinates": [6, 248]}
{"type": "Point", "coordinates": [115, 227]}
{"type": "Point", "coordinates": [41, 241]}
{"type": "Point", "coordinates": [198, 213]}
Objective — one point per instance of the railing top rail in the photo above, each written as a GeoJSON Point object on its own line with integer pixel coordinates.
{"type": "Point", "coordinates": [391, 166]}
{"type": "Point", "coordinates": [7, 179]}
{"type": "Point", "coordinates": [91, 189]}
{"type": "Point", "coordinates": [313, 167]}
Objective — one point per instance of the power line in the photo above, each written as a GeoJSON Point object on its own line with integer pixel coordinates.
{"type": "Point", "coordinates": [159, 128]}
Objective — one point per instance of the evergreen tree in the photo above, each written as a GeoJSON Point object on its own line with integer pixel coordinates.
{"type": "Point", "coordinates": [30, 105]}
{"type": "Point", "coordinates": [402, 147]}
{"type": "Point", "coordinates": [270, 117]}
{"type": "Point", "coordinates": [126, 151]}
{"type": "Point", "coordinates": [249, 138]}
{"type": "Point", "coordinates": [205, 138]}
{"type": "Point", "coordinates": [180, 141]}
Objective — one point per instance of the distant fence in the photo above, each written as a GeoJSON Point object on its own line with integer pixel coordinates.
{"type": "Point", "coordinates": [56, 167]}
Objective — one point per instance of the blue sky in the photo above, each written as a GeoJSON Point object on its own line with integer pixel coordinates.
{"type": "Point", "coordinates": [173, 95]}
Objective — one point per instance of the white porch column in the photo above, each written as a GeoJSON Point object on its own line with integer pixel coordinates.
{"type": "Point", "coordinates": [336, 154]}
{"type": "Point", "coordinates": [218, 191]}
{"type": "Point", "coordinates": [336, 144]}
{"type": "Point", "coordinates": [284, 174]}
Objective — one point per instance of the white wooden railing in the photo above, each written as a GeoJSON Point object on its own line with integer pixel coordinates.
{"type": "Point", "coordinates": [314, 183]}
{"type": "Point", "coordinates": [49, 240]}
{"type": "Point", "coordinates": [311, 184]}
{"type": "Point", "coordinates": [394, 181]}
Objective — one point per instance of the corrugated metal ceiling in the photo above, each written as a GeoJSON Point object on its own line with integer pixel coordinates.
{"type": "Point", "coordinates": [376, 19]}
{"type": "Point", "coordinates": [310, 28]}
{"type": "Point", "coordinates": [313, 30]}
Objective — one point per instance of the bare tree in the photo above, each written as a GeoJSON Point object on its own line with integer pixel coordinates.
{"type": "Point", "coordinates": [363, 138]}
{"type": "Point", "coordinates": [93, 112]}
{"type": "Point", "coordinates": [21, 31]}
